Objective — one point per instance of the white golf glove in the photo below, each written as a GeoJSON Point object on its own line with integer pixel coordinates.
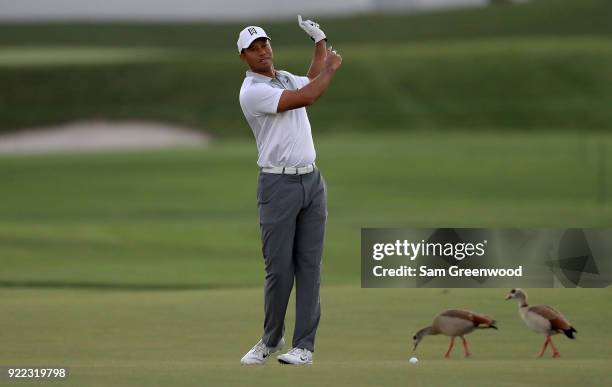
{"type": "Point", "coordinates": [312, 29]}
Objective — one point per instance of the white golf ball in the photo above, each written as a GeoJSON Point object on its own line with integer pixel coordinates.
{"type": "Point", "coordinates": [413, 360]}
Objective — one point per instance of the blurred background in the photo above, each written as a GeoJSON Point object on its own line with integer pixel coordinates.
{"type": "Point", "coordinates": [126, 163]}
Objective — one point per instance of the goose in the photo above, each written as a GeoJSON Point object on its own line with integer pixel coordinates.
{"type": "Point", "coordinates": [542, 319]}
{"type": "Point", "coordinates": [453, 323]}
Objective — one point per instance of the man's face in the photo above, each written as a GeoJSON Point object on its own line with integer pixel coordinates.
{"type": "Point", "coordinates": [258, 55]}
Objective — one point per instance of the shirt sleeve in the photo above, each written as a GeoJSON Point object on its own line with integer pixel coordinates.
{"type": "Point", "coordinates": [302, 81]}
{"type": "Point", "coordinates": [261, 99]}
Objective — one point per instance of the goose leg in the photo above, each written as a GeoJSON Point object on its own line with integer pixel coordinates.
{"type": "Point", "coordinates": [545, 345]}
{"type": "Point", "coordinates": [555, 351]}
{"type": "Point", "coordinates": [465, 347]}
{"type": "Point", "coordinates": [450, 347]}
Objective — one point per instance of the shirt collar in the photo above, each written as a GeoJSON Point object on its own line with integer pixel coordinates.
{"type": "Point", "coordinates": [258, 76]}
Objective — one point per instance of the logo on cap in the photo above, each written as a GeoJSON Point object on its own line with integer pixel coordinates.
{"type": "Point", "coordinates": [252, 31]}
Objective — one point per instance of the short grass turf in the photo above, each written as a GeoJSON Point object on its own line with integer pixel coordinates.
{"type": "Point", "coordinates": [188, 219]}
{"type": "Point", "coordinates": [196, 337]}
{"type": "Point", "coordinates": [144, 268]}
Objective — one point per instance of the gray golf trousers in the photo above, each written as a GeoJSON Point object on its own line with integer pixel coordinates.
{"type": "Point", "coordinates": [292, 215]}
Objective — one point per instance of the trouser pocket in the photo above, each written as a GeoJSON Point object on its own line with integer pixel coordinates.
{"type": "Point", "coordinates": [267, 185]}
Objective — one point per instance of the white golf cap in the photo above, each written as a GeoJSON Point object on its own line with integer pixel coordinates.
{"type": "Point", "coordinates": [249, 34]}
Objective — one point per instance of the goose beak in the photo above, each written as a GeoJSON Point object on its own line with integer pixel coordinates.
{"type": "Point", "coordinates": [508, 297]}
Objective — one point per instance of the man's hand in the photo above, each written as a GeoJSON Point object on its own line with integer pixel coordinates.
{"type": "Point", "coordinates": [312, 29]}
{"type": "Point", "coordinates": [333, 60]}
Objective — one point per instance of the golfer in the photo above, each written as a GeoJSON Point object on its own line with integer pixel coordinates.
{"type": "Point", "coordinates": [291, 193]}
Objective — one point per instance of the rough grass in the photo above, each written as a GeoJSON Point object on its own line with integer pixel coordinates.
{"type": "Point", "coordinates": [545, 18]}
{"type": "Point", "coordinates": [530, 67]}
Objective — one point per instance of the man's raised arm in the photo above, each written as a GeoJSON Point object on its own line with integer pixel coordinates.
{"type": "Point", "coordinates": [318, 58]}
{"type": "Point", "coordinates": [307, 95]}
{"type": "Point", "coordinates": [318, 36]}
{"type": "Point", "coordinates": [324, 64]}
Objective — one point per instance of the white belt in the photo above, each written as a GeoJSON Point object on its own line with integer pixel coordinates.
{"type": "Point", "coordinates": [290, 170]}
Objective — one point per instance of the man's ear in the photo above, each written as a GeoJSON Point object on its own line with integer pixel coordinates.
{"type": "Point", "coordinates": [242, 58]}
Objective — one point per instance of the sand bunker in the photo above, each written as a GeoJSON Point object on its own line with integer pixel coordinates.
{"type": "Point", "coordinates": [92, 136]}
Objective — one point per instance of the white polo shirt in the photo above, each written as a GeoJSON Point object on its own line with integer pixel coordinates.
{"type": "Point", "coordinates": [283, 139]}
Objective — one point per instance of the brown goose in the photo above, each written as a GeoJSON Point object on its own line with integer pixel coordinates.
{"type": "Point", "coordinates": [542, 319]}
{"type": "Point", "coordinates": [453, 323]}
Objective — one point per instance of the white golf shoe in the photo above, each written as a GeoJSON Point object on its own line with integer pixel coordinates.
{"type": "Point", "coordinates": [296, 356]}
{"type": "Point", "coordinates": [260, 353]}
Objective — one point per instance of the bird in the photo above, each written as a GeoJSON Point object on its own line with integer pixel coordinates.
{"type": "Point", "coordinates": [542, 319]}
{"type": "Point", "coordinates": [453, 323]}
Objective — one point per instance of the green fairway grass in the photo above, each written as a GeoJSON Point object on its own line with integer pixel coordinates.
{"type": "Point", "coordinates": [176, 219]}
{"type": "Point", "coordinates": [196, 338]}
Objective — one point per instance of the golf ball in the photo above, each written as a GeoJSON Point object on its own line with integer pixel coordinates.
{"type": "Point", "coordinates": [413, 360]}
